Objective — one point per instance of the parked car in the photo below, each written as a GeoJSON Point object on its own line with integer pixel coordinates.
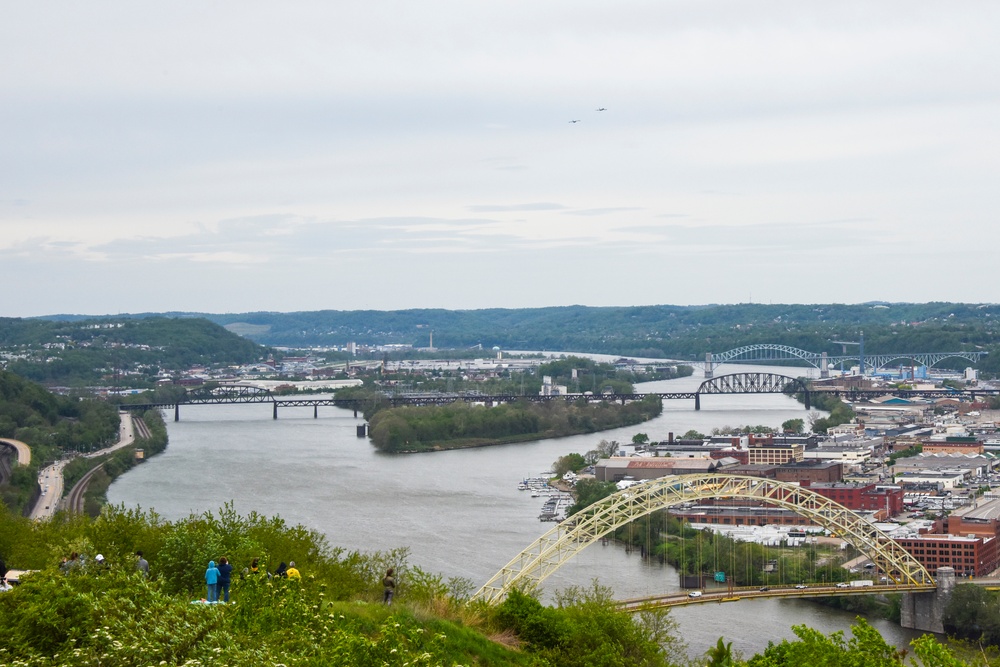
{"type": "Point", "coordinates": [694, 594]}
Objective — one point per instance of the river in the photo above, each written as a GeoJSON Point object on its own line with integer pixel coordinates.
{"type": "Point", "coordinates": [459, 512]}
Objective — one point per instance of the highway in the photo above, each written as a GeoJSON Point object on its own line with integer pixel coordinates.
{"type": "Point", "coordinates": [50, 479]}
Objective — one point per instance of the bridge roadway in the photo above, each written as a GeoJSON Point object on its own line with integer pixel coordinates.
{"type": "Point", "coordinates": [683, 598]}
{"type": "Point", "coordinates": [444, 399]}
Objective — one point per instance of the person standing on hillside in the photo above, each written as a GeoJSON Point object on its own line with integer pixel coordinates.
{"type": "Point", "coordinates": [141, 564]}
{"type": "Point", "coordinates": [388, 586]}
{"type": "Point", "coordinates": [212, 582]}
{"type": "Point", "coordinates": [292, 572]}
{"type": "Point", "coordinates": [225, 577]}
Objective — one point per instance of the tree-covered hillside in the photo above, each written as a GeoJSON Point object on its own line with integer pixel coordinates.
{"type": "Point", "coordinates": [671, 331]}
{"type": "Point", "coordinates": [84, 352]}
{"type": "Point", "coordinates": [51, 426]}
{"type": "Point", "coordinates": [676, 332]}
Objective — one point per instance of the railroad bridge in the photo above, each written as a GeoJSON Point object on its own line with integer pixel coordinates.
{"type": "Point", "coordinates": [736, 383]}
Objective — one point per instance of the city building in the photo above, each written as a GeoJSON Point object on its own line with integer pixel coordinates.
{"type": "Point", "coordinates": [617, 468]}
{"type": "Point", "coordinates": [970, 556]}
{"type": "Point", "coordinates": [768, 451]}
{"type": "Point", "coordinates": [813, 471]}
{"type": "Point", "coordinates": [981, 520]}
{"type": "Point", "coordinates": [886, 501]}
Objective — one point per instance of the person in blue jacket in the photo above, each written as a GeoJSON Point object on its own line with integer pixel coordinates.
{"type": "Point", "coordinates": [225, 576]}
{"type": "Point", "coordinates": [212, 580]}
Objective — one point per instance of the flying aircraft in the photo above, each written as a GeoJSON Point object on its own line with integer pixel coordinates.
{"type": "Point", "coordinates": [602, 109]}
{"type": "Point", "coordinates": [574, 121]}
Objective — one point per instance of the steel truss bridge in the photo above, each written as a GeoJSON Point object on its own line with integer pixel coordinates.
{"type": "Point", "coordinates": [768, 352]}
{"type": "Point", "coordinates": [549, 552]}
{"type": "Point", "coordinates": [737, 383]}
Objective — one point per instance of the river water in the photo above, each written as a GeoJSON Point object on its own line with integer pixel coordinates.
{"type": "Point", "coordinates": [459, 512]}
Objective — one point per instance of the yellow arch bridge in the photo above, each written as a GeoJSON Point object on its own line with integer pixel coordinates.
{"type": "Point", "coordinates": [550, 551]}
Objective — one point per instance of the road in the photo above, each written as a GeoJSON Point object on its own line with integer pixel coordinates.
{"type": "Point", "coordinates": [724, 595]}
{"type": "Point", "coordinates": [51, 481]}
{"type": "Point", "coordinates": [23, 451]}
{"type": "Point", "coordinates": [51, 477]}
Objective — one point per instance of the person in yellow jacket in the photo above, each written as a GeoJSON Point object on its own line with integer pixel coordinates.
{"type": "Point", "coordinates": [292, 572]}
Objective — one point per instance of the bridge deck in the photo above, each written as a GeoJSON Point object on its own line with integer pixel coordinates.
{"type": "Point", "coordinates": [682, 598]}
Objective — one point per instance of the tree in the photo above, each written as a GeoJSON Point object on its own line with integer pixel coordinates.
{"type": "Point", "coordinates": [693, 435]}
{"type": "Point", "coordinates": [792, 426]}
{"type": "Point", "coordinates": [640, 439]}
{"type": "Point", "coordinates": [570, 463]}
{"type": "Point", "coordinates": [972, 613]}
{"type": "Point", "coordinates": [588, 492]}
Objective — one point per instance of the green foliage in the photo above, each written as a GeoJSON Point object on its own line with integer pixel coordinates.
{"type": "Point", "coordinates": [973, 613]}
{"type": "Point", "coordinates": [903, 453]}
{"type": "Point", "coordinates": [460, 424]}
{"type": "Point", "coordinates": [50, 425]}
{"type": "Point", "coordinates": [585, 629]}
{"type": "Point", "coordinates": [840, 412]}
{"type": "Point", "coordinates": [114, 616]}
{"type": "Point", "coordinates": [664, 331]}
{"type": "Point", "coordinates": [721, 655]}
{"type": "Point", "coordinates": [793, 426]}
{"type": "Point", "coordinates": [83, 352]}
{"type": "Point", "coordinates": [588, 492]}
{"type": "Point", "coordinates": [865, 648]}
{"type": "Point", "coordinates": [572, 462]}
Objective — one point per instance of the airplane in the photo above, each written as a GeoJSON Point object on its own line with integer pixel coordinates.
{"type": "Point", "coordinates": [574, 121]}
{"type": "Point", "coordinates": [602, 109]}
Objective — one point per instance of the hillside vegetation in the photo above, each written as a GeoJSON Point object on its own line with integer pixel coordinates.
{"type": "Point", "coordinates": [111, 615]}
{"type": "Point", "coordinates": [682, 332]}
{"type": "Point", "coordinates": [79, 353]}
{"type": "Point", "coordinates": [51, 426]}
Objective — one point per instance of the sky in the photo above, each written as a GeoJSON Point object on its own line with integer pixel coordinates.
{"type": "Point", "coordinates": [243, 156]}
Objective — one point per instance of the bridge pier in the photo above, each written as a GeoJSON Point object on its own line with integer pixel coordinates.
{"type": "Point", "coordinates": [824, 368]}
{"type": "Point", "coordinates": [697, 401]}
{"type": "Point", "coordinates": [177, 412]}
{"type": "Point", "coordinates": [925, 611]}
{"type": "Point", "coordinates": [708, 364]}
{"type": "Point", "coordinates": [315, 411]}
{"type": "Point", "coordinates": [807, 400]}
{"type": "Point", "coordinates": [275, 404]}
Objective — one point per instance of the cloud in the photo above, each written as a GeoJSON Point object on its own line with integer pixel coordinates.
{"type": "Point", "coordinates": [498, 208]}
{"type": "Point", "coordinates": [604, 211]}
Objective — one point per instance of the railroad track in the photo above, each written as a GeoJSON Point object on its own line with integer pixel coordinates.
{"type": "Point", "coordinates": [74, 499]}
{"type": "Point", "coordinates": [140, 427]}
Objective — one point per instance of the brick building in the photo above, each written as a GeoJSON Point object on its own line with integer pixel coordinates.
{"type": "Point", "coordinates": [810, 471]}
{"type": "Point", "coordinates": [975, 556]}
{"type": "Point", "coordinates": [885, 500]}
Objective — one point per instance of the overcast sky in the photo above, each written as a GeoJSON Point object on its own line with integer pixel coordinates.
{"type": "Point", "coordinates": [240, 156]}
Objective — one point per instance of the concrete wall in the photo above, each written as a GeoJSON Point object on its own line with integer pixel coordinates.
{"type": "Point", "coordinates": [925, 611]}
